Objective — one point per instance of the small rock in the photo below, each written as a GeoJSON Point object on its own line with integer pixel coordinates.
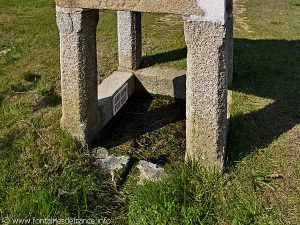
{"type": "Point", "coordinates": [274, 176]}
{"type": "Point", "coordinates": [5, 51]}
{"type": "Point", "coordinates": [114, 165]}
{"type": "Point", "coordinates": [101, 152]}
{"type": "Point", "coordinates": [149, 171]}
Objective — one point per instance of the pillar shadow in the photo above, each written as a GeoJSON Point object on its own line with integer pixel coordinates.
{"type": "Point", "coordinates": [179, 85]}
{"type": "Point", "coordinates": [2, 97]}
{"type": "Point", "coordinates": [165, 57]}
{"type": "Point", "coordinates": [268, 69]}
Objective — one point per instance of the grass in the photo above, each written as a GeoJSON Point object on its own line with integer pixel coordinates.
{"type": "Point", "coordinates": [194, 195]}
{"type": "Point", "coordinates": [150, 129]}
{"type": "Point", "coordinates": [45, 174]}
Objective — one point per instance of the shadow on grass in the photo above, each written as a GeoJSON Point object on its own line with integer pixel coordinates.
{"type": "Point", "coordinates": [165, 57]}
{"type": "Point", "coordinates": [48, 97]}
{"type": "Point", "coordinates": [52, 100]}
{"type": "Point", "coordinates": [137, 118]}
{"type": "Point", "coordinates": [264, 68]}
{"type": "Point", "coordinates": [268, 69]}
{"type": "Point", "coordinates": [2, 97]}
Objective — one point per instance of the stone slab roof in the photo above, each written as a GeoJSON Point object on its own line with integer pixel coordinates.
{"type": "Point", "coordinates": [182, 7]}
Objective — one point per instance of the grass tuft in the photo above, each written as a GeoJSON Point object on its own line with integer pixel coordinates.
{"type": "Point", "coordinates": [193, 195]}
{"type": "Point", "coordinates": [31, 77]}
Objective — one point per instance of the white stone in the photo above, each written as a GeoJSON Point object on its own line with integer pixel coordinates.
{"type": "Point", "coordinates": [149, 172]}
{"type": "Point", "coordinates": [214, 11]}
{"type": "Point", "coordinates": [111, 163]}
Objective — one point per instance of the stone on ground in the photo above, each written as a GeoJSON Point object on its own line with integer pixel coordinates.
{"type": "Point", "coordinates": [149, 172]}
{"type": "Point", "coordinates": [115, 166]}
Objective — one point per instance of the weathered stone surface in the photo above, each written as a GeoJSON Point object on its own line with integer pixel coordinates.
{"type": "Point", "coordinates": [109, 88]}
{"type": "Point", "coordinates": [229, 102]}
{"type": "Point", "coordinates": [206, 95]}
{"type": "Point", "coordinates": [129, 40]}
{"type": "Point", "coordinates": [80, 114]}
{"type": "Point", "coordinates": [115, 166]}
{"type": "Point", "coordinates": [149, 172]}
{"type": "Point", "coordinates": [229, 48]}
{"type": "Point", "coordinates": [213, 11]}
{"type": "Point", "coordinates": [182, 7]}
{"type": "Point", "coordinates": [208, 34]}
{"type": "Point", "coordinates": [162, 81]}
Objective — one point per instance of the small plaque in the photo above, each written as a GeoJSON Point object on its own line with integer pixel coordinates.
{"type": "Point", "coordinates": [120, 99]}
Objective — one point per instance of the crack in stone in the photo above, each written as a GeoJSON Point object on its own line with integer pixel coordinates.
{"type": "Point", "coordinates": [129, 167]}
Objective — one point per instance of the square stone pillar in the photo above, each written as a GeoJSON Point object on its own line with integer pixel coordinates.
{"type": "Point", "coordinates": [206, 91]}
{"type": "Point", "coordinates": [129, 40]}
{"type": "Point", "coordinates": [80, 114]}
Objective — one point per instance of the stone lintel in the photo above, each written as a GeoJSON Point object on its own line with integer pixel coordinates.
{"type": "Point", "coordinates": [181, 7]}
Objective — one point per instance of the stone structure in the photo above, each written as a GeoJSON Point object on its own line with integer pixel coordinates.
{"type": "Point", "coordinates": [208, 34]}
{"type": "Point", "coordinates": [130, 40]}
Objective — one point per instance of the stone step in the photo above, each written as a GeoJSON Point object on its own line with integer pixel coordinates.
{"type": "Point", "coordinates": [162, 81]}
{"type": "Point", "coordinates": [113, 93]}
{"type": "Point", "coordinates": [115, 90]}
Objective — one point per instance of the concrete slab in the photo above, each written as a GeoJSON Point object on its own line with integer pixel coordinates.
{"type": "Point", "coordinates": [162, 81]}
{"type": "Point", "coordinates": [113, 93]}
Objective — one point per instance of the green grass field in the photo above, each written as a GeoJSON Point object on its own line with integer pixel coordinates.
{"type": "Point", "coordinates": [45, 174]}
